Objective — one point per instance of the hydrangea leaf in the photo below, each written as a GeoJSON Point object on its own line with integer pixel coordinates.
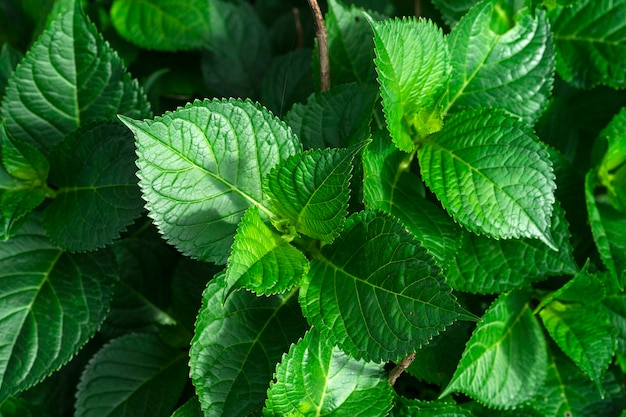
{"type": "Point", "coordinates": [413, 70]}
{"type": "Point", "coordinates": [583, 288]}
{"type": "Point", "coordinates": [90, 83]}
{"type": "Point", "coordinates": [22, 160]}
{"type": "Point", "coordinates": [505, 360]}
{"type": "Point", "coordinates": [317, 378]}
{"type": "Point", "coordinates": [398, 298]}
{"type": "Point", "coordinates": [612, 169]}
{"type": "Point", "coordinates": [52, 304]}
{"type": "Point", "coordinates": [453, 10]}
{"type": "Point", "coordinates": [202, 166]}
{"type": "Point", "coordinates": [9, 58]}
{"type": "Point", "coordinates": [262, 260]}
{"type": "Point", "coordinates": [165, 25]}
{"type": "Point", "coordinates": [17, 200]}
{"type": "Point", "coordinates": [190, 409]}
{"type": "Point", "coordinates": [590, 42]}
{"type": "Point", "coordinates": [236, 347]}
{"type": "Point", "coordinates": [311, 190]}
{"type": "Point", "coordinates": [136, 374]}
{"type": "Point", "coordinates": [491, 174]}
{"type": "Point", "coordinates": [405, 407]}
{"type": "Point", "coordinates": [513, 71]}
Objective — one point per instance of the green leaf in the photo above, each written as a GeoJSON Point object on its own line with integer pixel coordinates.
{"type": "Point", "coordinates": [97, 198]}
{"type": "Point", "coordinates": [137, 374]}
{"type": "Point", "coordinates": [52, 303]}
{"type": "Point", "coordinates": [453, 10]}
{"type": "Point", "coordinates": [316, 378]}
{"type": "Point", "coordinates": [190, 409]}
{"type": "Point", "coordinates": [584, 288]}
{"type": "Point", "coordinates": [612, 169]}
{"type": "Point", "coordinates": [505, 360]}
{"type": "Point", "coordinates": [311, 190]}
{"type": "Point", "coordinates": [413, 71]}
{"type": "Point", "coordinates": [584, 333]}
{"type": "Point", "coordinates": [16, 201]}
{"type": "Point", "coordinates": [616, 307]}
{"type": "Point", "coordinates": [9, 58]}
{"type": "Point", "coordinates": [201, 167]}
{"type": "Point", "coordinates": [262, 260]}
{"type": "Point", "coordinates": [491, 174]}
{"type": "Point", "coordinates": [89, 80]}
{"type": "Point", "coordinates": [513, 71]}
{"type": "Point", "coordinates": [590, 42]}
{"type": "Point", "coordinates": [237, 345]}
{"type": "Point", "coordinates": [399, 299]}
{"type": "Point", "coordinates": [484, 265]}
{"type": "Point", "coordinates": [405, 407]}
{"type": "Point", "coordinates": [336, 118]}
{"type": "Point", "coordinates": [23, 161]}
{"type": "Point", "coordinates": [166, 25]}
{"type": "Point", "coordinates": [189, 281]}
{"type": "Point", "coordinates": [18, 407]}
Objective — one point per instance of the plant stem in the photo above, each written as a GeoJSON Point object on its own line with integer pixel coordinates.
{"type": "Point", "coordinates": [322, 45]}
{"type": "Point", "coordinates": [299, 31]}
{"type": "Point", "coordinates": [395, 373]}
{"type": "Point", "coordinates": [418, 8]}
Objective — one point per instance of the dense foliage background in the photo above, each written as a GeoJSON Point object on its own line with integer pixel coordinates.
{"type": "Point", "coordinates": [191, 224]}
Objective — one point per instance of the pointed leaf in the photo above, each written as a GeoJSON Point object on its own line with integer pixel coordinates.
{"type": "Point", "coordinates": [17, 199]}
{"type": "Point", "coordinates": [584, 288]}
{"type": "Point", "coordinates": [405, 407]}
{"type": "Point", "coordinates": [88, 78]}
{"type": "Point", "coordinates": [398, 298]}
{"type": "Point", "coordinates": [505, 360]}
{"type": "Point", "coordinates": [317, 378]}
{"type": "Point", "coordinates": [413, 71]}
{"type": "Point", "coordinates": [190, 409]}
{"type": "Point", "coordinates": [137, 374]}
{"type": "Point", "coordinates": [491, 174]}
{"type": "Point", "coordinates": [237, 345]}
{"type": "Point", "coordinates": [201, 167]}
{"type": "Point", "coordinates": [312, 190]}
{"type": "Point", "coordinates": [9, 58]}
{"type": "Point", "coordinates": [52, 303]}
{"type": "Point", "coordinates": [23, 161]}
{"type": "Point", "coordinates": [287, 81]}
{"type": "Point", "coordinates": [513, 71]}
{"type": "Point", "coordinates": [612, 169]}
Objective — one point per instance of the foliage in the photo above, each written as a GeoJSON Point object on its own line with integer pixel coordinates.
{"type": "Point", "coordinates": [441, 233]}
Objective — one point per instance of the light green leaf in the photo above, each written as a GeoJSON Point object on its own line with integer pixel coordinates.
{"type": "Point", "coordinates": [97, 198]}
{"type": "Point", "coordinates": [398, 299]}
{"type": "Point", "coordinates": [336, 118]}
{"type": "Point", "coordinates": [90, 84]}
{"type": "Point", "coordinates": [584, 288]}
{"type": "Point", "coordinates": [51, 302]}
{"type": "Point", "coordinates": [405, 407]}
{"type": "Point", "coordinates": [262, 260]}
{"type": "Point", "coordinates": [590, 42]}
{"type": "Point", "coordinates": [484, 265]}
{"type": "Point", "coordinates": [612, 169]}
{"type": "Point", "coordinates": [201, 167]}
{"type": "Point", "coordinates": [23, 161]}
{"type": "Point", "coordinates": [491, 174]}
{"type": "Point", "coordinates": [505, 360]}
{"type": "Point", "coordinates": [616, 307]}
{"type": "Point", "coordinates": [287, 81]}
{"type": "Point", "coordinates": [413, 70]}
{"type": "Point", "coordinates": [237, 345]}
{"type": "Point", "coordinates": [453, 10]}
{"type": "Point", "coordinates": [311, 190]}
{"type": "Point", "coordinates": [513, 71]}
{"type": "Point", "coordinates": [316, 378]}
{"type": "Point", "coordinates": [165, 25]}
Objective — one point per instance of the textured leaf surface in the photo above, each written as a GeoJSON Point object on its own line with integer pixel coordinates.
{"type": "Point", "coordinates": [590, 40]}
{"type": "Point", "coordinates": [137, 374]}
{"type": "Point", "coordinates": [89, 82]}
{"type": "Point", "coordinates": [51, 302]}
{"type": "Point", "coordinates": [23, 161]}
{"type": "Point", "coordinates": [491, 174]}
{"type": "Point", "coordinates": [311, 190]}
{"type": "Point", "coordinates": [190, 409]}
{"type": "Point", "coordinates": [201, 167]}
{"type": "Point", "coordinates": [97, 194]}
{"type": "Point", "coordinates": [316, 378]}
{"type": "Point", "coordinates": [287, 81]}
{"type": "Point", "coordinates": [262, 260]}
{"type": "Point", "coordinates": [512, 71]}
{"type": "Point", "coordinates": [413, 70]}
{"type": "Point", "coordinates": [166, 25]}
{"type": "Point", "coordinates": [237, 345]}
{"type": "Point", "coordinates": [405, 407]}
{"type": "Point", "coordinates": [505, 360]}
{"type": "Point", "coordinates": [16, 201]}
{"type": "Point", "coordinates": [398, 299]}
{"type": "Point", "coordinates": [9, 58]}
{"type": "Point", "coordinates": [612, 169]}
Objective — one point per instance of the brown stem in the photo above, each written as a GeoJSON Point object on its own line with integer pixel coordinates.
{"type": "Point", "coordinates": [322, 45]}
{"type": "Point", "coordinates": [298, 23]}
{"type": "Point", "coordinates": [395, 373]}
{"type": "Point", "coordinates": [418, 8]}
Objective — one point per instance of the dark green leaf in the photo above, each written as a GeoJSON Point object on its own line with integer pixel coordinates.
{"type": "Point", "coordinates": [9, 58]}
{"type": "Point", "coordinates": [616, 307]}
{"type": "Point", "coordinates": [453, 10]}
{"type": "Point", "coordinates": [584, 288]}
{"type": "Point", "coordinates": [23, 161]}
{"type": "Point", "coordinates": [190, 279]}
{"type": "Point", "coordinates": [190, 409]}
{"type": "Point", "coordinates": [415, 408]}
{"type": "Point", "coordinates": [612, 169]}
{"type": "Point", "coordinates": [18, 407]}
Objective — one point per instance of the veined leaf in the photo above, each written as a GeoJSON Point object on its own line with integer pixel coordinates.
{"type": "Point", "coordinates": [616, 308]}
{"type": "Point", "coordinates": [405, 407]}
{"type": "Point", "coordinates": [18, 407]}
{"type": "Point", "coordinates": [453, 10]}
{"type": "Point", "coordinates": [513, 71]}
{"type": "Point", "coordinates": [590, 40]}
{"type": "Point", "coordinates": [90, 84]}
{"type": "Point", "coordinates": [413, 70]}
{"type": "Point", "coordinates": [97, 198]}
{"type": "Point", "coordinates": [9, 58]}
{"type": "Point", "coordinates": [612, 169]}
{"type": "Point", "coordinates": [316, 378]}
{"type": "Point", "coordinates": [398, 299]}
{"type": "Point", "coordinates": [262, 260]}
{"type": "Point", "coordinates": [52, 303]}
{"type": "Point", "coordinates": [287, 81]}
{"type": "Point", "coordinates": [237, 345]}
{"type": "Point", "coordinates": [201, 167]}
{"type": "Point", "coordinates": [190, 409]}
{"type": "Point", "coordinates": [166, 25]}
{"type": "Point", "coordinates": [23, 161]}
{"type": "Point", "coordinates": [492, 175]}
{"type": "Point", "coordinates": [137, 374]}
{"type": "Point", "coordinates": [505, 360]}
{"type": "Point", "coordinates": [584, 288]}
{"type": "Point", "coordinates": [312, 190]}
